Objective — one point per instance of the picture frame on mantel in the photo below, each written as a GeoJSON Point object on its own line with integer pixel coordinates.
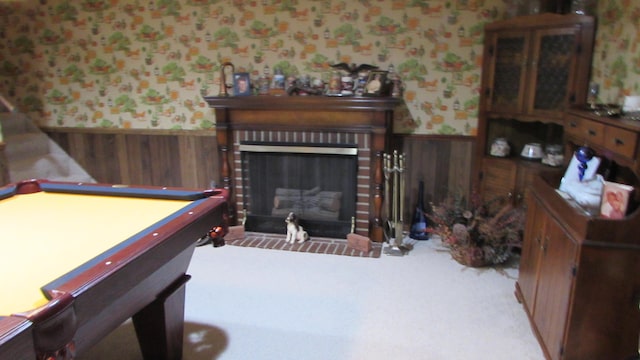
{"type": "Point", "coordinates": [241, 84]}
{"type": "Point", "coordinates": [377, 83]}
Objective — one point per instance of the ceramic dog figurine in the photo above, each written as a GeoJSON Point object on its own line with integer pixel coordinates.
{"type": "Point", "coordinates": [295, 232]}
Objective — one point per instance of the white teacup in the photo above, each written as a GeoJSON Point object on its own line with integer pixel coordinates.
{"type": "Point", "coordinates": [532, 151]}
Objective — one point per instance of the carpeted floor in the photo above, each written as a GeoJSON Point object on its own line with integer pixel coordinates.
{"type": "Point", "coordinates": [314, 245]}
{"type": "Point", "coordinates": [251, 303]}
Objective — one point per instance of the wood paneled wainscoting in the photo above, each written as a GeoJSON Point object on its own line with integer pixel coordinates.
{"type": "Point", "coordinates": [143, 157]}
{"type": "Point", "coordinates": [444, 164]}
{"type": "Point", "coordinates": [190, 159]}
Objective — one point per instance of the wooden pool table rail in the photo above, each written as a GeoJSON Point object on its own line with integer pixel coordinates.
{"type": "Point", "coordinates": [144, 281]}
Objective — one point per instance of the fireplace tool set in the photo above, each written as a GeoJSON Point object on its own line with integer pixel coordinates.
{"type": "Point", "coordinates": [394, 183]}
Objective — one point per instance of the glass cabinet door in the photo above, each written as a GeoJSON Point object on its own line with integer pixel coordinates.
{"type": "Point", "coordinates": [553, 67]}
{"type": "Point", "coordinates": [509, 70]}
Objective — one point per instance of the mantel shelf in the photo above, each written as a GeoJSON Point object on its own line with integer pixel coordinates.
{"type": "Point", "coordinates": [307, 103]}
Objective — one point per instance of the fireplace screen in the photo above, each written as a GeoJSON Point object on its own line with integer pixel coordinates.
{"type": "Point", "coordinates": [317, 182]}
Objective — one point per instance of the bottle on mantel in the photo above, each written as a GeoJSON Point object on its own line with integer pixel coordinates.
{"type": "Point", "coordinates": [418, 230]}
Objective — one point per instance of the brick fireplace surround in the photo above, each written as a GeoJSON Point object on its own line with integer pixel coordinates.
{"type": "Point", "coordinates": [364, 121]}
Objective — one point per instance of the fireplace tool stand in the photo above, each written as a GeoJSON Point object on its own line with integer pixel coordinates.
{"type": "Point", "coordinates": [394, 182]}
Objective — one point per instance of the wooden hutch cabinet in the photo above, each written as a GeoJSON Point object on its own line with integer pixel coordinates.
{"type": "Point", "coordinates": [535, 68]}
{"type": "Point", "coordinates": [578, 278]}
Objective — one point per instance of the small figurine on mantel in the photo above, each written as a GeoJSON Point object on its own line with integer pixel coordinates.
{"type": "Point", "coordinates": [396, 84]}
{"type": "Point", "coordinates": [348, 82]}
{"type": "Point", "coordinates": [277, 83]}
{"type": "Point", "coordinates": [353, 70]}
{"type": "Point", "coordinates": [304, 86]}
{"type": "Point", "coordinates": [264, 83]}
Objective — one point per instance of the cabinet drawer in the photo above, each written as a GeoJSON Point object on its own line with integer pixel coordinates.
{"type": "Point", "coordinates": [620, 141]}
{"type": "Point", "coordinates": [590, 132]}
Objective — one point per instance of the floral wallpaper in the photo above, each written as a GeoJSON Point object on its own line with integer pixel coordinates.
{"type": "Point", "coordinates": [616, 58]}
{"type": "Point", "coordinates": [147, 64]}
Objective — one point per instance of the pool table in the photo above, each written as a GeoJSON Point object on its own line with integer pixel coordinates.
{"type": "Point", "coordinates": [77, 260]}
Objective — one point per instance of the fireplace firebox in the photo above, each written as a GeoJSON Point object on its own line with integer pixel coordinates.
{"type": "Point", "coordinates": [308, 125]}
{"type": "Point", "coordinates": [318, 182]}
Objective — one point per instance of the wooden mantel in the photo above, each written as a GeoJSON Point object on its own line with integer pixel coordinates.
{"type": "Point", "coordinates": [303, 102]}
{"type": "Point", "coordinates": [362, 115]}
{"type": "Point", "coordinates": [294, 111]}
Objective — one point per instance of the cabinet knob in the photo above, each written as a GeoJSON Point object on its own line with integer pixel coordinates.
{"type": "Point", "coordinates": [619, 142]}
{"type": "Point", "coordinates": [573, 124]}
{"type": "Point", "coordinates": [543, 246]}
{"type": "Point", "coordinates": [591, 132]}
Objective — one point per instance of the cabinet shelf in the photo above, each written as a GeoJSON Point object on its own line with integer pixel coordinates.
{"type": "Point", "coordinates": [522, 117]}
{"type": "Point", "coordinates": [519, 133]}
{"type": "Point", "coordinates": [510, 177]}
{"type": "Point", "coordinates": [530, 163]}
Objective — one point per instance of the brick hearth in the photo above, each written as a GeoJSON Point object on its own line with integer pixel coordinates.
{"type": "Point", "coordinates": [314, 245]}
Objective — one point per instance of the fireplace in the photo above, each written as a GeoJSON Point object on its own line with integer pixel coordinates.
{"type": "Point", "coordinates": [316, 181]}
{"type": "Point", "coordinates": [299, 135]}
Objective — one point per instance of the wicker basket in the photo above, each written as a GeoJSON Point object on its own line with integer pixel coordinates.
{"type": "Point", "coordinates": [472, 256]}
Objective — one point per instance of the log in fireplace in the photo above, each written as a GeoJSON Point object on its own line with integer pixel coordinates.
{"type": "Point", "coordinates": [255, 130]}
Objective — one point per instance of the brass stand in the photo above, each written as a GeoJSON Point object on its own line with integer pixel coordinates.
{"type": "Point", "coordinates": [394, 176]}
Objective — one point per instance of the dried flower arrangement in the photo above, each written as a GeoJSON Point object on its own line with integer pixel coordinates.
{"type": "Point", "coordinates": [477, 232]}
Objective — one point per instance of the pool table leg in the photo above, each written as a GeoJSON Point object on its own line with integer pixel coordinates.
{"type": "Point", "coordinates": [160, 325]}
